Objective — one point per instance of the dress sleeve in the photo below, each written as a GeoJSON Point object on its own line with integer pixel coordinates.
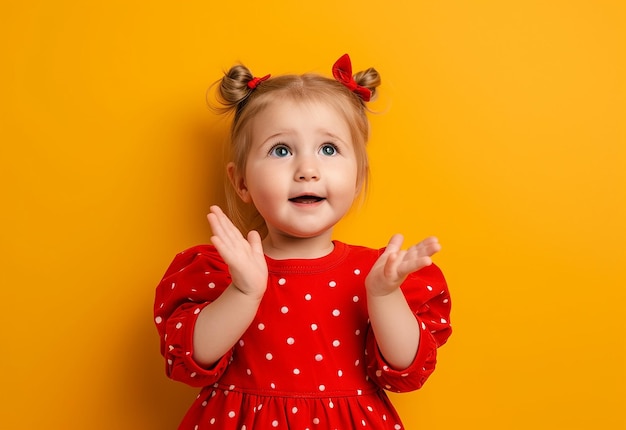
{"type": "Point", "coordinates": [194, 279]}
{"type": "Point", "coordinates": [427, 293]}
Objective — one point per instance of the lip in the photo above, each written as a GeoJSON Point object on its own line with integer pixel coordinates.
{"type": "Point", "coordinates": [307, 199]}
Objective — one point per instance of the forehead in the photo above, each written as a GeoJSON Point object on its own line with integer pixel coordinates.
{"type": "Point", "coordinates": [285, 115]}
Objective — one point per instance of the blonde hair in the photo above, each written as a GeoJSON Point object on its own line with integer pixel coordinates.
{"type": "Point", "coordinates": [235, 97]}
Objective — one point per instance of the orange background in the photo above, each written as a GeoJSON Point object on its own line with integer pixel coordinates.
{"type": "Point", "coordinates": [501, 128]}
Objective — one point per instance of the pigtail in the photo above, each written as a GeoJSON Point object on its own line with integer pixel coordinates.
{"type": "Point", "coordinates": [369, 79]}
{"type": "Point", "coordinates": [233, 89]}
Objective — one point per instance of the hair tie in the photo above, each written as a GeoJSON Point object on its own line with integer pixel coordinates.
{"type": "Point", "coordinates": [342, 71]}
{"type": "Point", "coordinates": [254, 82]}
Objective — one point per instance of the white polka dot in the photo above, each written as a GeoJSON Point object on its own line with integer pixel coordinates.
{"type": "Point", "coordinates": [429, 288]}
{"type": "Point", "coordinates": [158, 320]}
{"type": "Point", "coordinates": [269, 356]}
{"type": "Point", "coordinates": [357, 271]}
{"type": "Point", "coordinates": [212, 421]}
{"type": "Point", "coordinates": [296, 371]}
{"type": "Point", "coordinates": [316, 421]}
{"type": "Point", "coordinates": [443, 321]}
{"type": "Point", "coordinates": [332, 284]}
{"type": "Point", "coordinates": [355, 299]}
{"type": "Point", "coordinates": [282, 281]}
{"type": "Point", "coordinates": [379, 373]}
{"type": "Point", "coordinates": [369, 408]}
{"type": "Point", "coordinates": [307, 297]}
{"type": "Point", "coordinates": [322, 387]}
{"type": "Point", "coordinates": [261, 326]}
{"type": "Point", "coordinates": [397, 427]}
{"type": "Point", "coordinates": [249, 372]}
{"type": "Point", "coordinates": [423, 326]}
{"type": "Point", "coordinates": [357, 362]}
{"type": "Point", "coordinates": [319, 357]}
{"type": "Point", "coordinates": [294, 410]}
{"type": "Point", "coordinates": [363, 423]}
{"type": "Point", "coordinates": [243, 427]}
{"type": "Point", "coordinates": [240, 342]}
{"type": "Point", "coordinates": [275, 423]}
{"type": "Point", "coordinates": [284, 309]}
{"type": "Point", "coordinates": [193, 374]}
{"type": "Point", "coordinates": [173, 285]}
{"type": "Point", "coordinates": [331, 404]}
{"type": "Point", "coordinates": [336, 312]}
{"type": "Point", "coordinates": [290, 341]}
{"type": "Point", "coordinates": [179, 325]}
{"type": "Point", "coordinates": [231, 414]}
{"type": "Point", "coordinates": [196, 311]}
{"type": "Point", "coordinates": [273, 387]}
{"type": "Point", "coordinates": [359, 392]}
{"type": "Point", "coordinates": [357, 332]}
{"type": "Point", "coordinates": [211, 285]}
{"type": "Point", "coordinates": [336, 343]}
{"type": "Point", "coordinates": [340, 373]}
{"type": "Point", "coordinates": [313, 327]}
{"type": "Point", "coordinates": [445, 300]}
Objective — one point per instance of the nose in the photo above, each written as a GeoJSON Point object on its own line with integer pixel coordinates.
{"type": "Point", "coordinates": [307, 170]}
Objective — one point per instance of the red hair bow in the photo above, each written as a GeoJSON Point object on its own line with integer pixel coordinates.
{"type": "Point", "coordinates": [254, 82]}
{"type": "Point", "coordinates": [342, 71]}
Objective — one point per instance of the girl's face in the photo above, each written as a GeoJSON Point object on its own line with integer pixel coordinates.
{"type": "Point", "coordinates": [301, 172]}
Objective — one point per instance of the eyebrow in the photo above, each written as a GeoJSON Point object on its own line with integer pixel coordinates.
{"type": "Point", "coordinates": [287, 133]}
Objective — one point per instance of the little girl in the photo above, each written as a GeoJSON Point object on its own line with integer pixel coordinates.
{"type": "Point", "coordinates": [285, 328]}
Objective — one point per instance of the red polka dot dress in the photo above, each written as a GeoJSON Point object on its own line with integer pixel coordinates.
{"type": "Point", "coordinates": [309, 359]}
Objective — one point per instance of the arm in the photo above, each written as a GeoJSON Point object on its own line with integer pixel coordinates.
{"type": "Point", "coordinates": [392, 320]}
{"type": "Point", "coordinates": [220, 324]}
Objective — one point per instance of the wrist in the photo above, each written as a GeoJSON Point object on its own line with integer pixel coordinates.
{"type": "Point", "coordinates": [248, 293]}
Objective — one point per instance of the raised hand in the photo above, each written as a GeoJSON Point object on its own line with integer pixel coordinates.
{"type": "Point", "coordinates": [244, 256]}
{"type": "Point", "coordinates": [395, 264]}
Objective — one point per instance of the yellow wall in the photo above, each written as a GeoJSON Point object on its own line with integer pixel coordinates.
{"type": "Point", "coordinates": [503, 132]}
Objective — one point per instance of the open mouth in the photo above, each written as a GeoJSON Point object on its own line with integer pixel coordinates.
{"type": "Point", "coordinates": [307, 199]}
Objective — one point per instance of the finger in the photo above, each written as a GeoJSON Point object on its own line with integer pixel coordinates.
{"type": "Point", "coordinates": [428, 246]}
{"type": "Point", "coordinates": [392, 265]}
{"type": "Point", "coordinates": [395, 243]}
{"type": "Point", "coordinates": [223, 226]}
{"type": "Point", "coordinates": [413, 265]}
{"type": "Point", "coordinates": [254, 238]}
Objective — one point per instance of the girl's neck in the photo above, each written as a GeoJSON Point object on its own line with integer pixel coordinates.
{"type": "Point", "coordinates": [281, 247]}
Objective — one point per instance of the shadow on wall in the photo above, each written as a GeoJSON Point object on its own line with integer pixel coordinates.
{"type": "Point", "coordinates": [150, 399]}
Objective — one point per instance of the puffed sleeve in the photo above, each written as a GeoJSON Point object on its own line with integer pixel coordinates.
{"type": "Point", "coordinates": [194, 279]}
{"type": "Point", "coordinates": [427, 294]}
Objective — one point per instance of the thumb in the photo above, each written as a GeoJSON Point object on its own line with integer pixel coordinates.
{"type": "Point", "coordinates": [395, 243]}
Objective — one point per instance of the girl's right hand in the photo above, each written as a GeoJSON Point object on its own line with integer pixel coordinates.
{"type": "Point", "coordinates": [245, 257]}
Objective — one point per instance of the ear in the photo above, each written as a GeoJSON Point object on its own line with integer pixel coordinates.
{"type": "Point", "coordinates": [238, 182]}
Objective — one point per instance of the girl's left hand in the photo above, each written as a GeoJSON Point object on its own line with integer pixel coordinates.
{"type": "Point", "coordinates": [394, 264]}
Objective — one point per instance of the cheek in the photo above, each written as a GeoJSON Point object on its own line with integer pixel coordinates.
{"type": "Point", "coordinates": [264, 187]}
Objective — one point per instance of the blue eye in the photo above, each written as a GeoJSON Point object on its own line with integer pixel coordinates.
{"type": "Point", "coordinates": [329, 149]}
{"type": "Point", "coordinates": [280, 151]}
